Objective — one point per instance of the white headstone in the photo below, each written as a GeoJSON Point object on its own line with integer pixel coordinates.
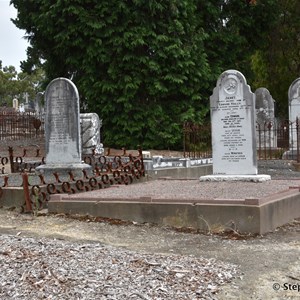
{"type": "Point", "coordinates": [233, 126]}
{"type": "Point", "coordinates": [21, 108]}
{"type": "Point", "coordinates": [16, 104]}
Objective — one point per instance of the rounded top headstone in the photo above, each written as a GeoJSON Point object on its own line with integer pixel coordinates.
{"type": "Point", "coordinates": [294, 89]}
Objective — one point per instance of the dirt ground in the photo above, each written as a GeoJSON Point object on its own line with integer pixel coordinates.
{"type": "Point", "coordinates": [269, 264]}
{"type": "Point", "coordinates": [264, 261]}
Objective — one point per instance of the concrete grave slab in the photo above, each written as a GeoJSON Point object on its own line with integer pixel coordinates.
{"type": "Point", "coordinates": [241, 206]}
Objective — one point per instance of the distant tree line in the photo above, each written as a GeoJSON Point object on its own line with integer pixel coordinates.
{"type": "Point", "coordinates": [147, 66]}
{"type": "Point", "coordinates": [18, 85]}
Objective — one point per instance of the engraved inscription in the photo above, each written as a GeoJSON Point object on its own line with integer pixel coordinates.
{"type": "Point", "coordinates": [232, 121]}
{"type": "Point", "coordinates": [62, 119]}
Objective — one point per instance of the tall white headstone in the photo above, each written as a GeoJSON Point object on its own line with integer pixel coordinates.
{"type": "Point", "coordinates": [233, 126]}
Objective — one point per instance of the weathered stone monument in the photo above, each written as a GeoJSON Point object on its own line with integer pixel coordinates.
{"type": "Point", "coordinates": [22, 108]}
{"type": "Point", "coordinates": [62, 128]}
{"type": "Point", "coordinates": [90, 133]}
{"type": "Point", "coordinates": [232, 107]}
{"type": "Point", "coordinates": [38, 105]}
{"type": "Point", "coordinates": [294, 112]}
{"type": "Point", "coordinates": [265, 119]}
{"type": "Point", "coordinates": [15, 104]}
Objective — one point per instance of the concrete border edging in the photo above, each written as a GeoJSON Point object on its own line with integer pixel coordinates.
{"type": "Point", "coordinates": [256, 216]}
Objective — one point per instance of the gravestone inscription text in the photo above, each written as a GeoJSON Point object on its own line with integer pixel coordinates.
{"type": "Point", "coordinates": [63, 144]}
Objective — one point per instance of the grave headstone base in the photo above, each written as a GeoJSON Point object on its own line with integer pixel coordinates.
{"type": "Point", "coordinates": [63, 169]}
{"type": "Point", "coordinates": [251, 178]}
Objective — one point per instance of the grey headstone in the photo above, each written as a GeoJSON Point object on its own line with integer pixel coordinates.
{"type": "Point", "coordinates": [264, 106]}
{"type": "Point", "coordinates": [38, 105]}
{"type": "Point", "coordinates": [232, 107]}
{"type": "Point", "coordinates": [15, 104]}
{"type": "Point", "coordinates": [90, 133]}
{"type": "Point", "coordinates": [62, 127]}
{"type": "Point", "coordinates": [265, 119]}
{"type": "Point", "coordinates": [294, 111]}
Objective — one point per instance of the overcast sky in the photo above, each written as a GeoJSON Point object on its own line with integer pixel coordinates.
{"type": "Point", "coordinates": [13, 46]}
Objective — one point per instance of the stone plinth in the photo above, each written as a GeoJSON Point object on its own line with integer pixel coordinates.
{"type": "Point", "coordinates": [251, 178]}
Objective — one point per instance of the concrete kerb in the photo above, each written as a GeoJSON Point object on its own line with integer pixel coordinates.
{"type": "Point", "coordinates": [12, 197]}
{"type": "Point", "coordinates": [255, 216]}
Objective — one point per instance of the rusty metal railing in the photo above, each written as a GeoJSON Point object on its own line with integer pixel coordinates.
{"type": "Point", "coordinates": [274, 140]}
{"type": "Point", "coordinates": [17, 126]}
{"type": "Point", "coordinates": [106, 171]}
{"type": "Point", "coordinates": [278, 140]}
{"type": "Point", "coordinates": [197, 140]}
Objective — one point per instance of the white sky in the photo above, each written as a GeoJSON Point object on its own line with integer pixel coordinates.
{"type": "Point", "coordinates": [13, 46]}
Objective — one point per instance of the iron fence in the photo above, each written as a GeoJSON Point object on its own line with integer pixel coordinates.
{"type": "Point", "coordinates": [274, 140]}
{"type": "Point", "coordinates": [17, 126]}
{"type": "Point", "coordinates": [197, 140]}
{"type": "Point", "coordinates": [106, 171]}
{"type": "Point", "coordinates": [278, 140]}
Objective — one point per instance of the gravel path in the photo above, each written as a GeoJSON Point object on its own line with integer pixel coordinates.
{"type": "Point", "coordinates": [55, 257]}
{"type": "Point", "coordinates": [40, 268]}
